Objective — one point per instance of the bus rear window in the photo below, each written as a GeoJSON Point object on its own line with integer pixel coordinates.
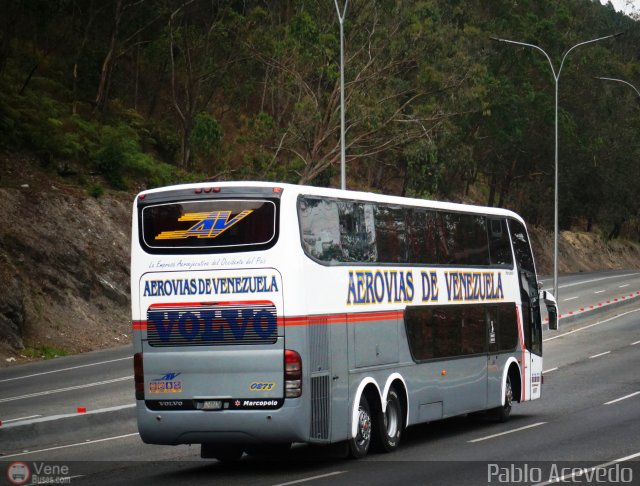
{"type": "Point", "coordinates": [213, 225]}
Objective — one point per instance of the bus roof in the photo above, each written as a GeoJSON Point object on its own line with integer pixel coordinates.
{"type": "Point", "coordinates": [345, 194]}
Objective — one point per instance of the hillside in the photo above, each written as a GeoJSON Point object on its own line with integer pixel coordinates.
{"type": "Point", "coordinates": [64, 261]}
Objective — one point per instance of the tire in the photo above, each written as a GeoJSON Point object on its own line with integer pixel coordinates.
{"type": "Point", "coordinates": [501, 414]}
{"type": "Point", "coordinates": [388, 426]}
{"type": "Point", "coordinates": [359, 445]}
{"type": "Point", "coordinates": [229, 453]}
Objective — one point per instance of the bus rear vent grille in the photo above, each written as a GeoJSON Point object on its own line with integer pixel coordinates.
{"type": "Point", "coordinates": [319, 343]}
{"type": "Point", "coordinates": [320, 407]}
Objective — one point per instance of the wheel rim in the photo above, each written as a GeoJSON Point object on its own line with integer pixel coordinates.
{"type": "Point", "coordinates": [391, 419]}
{"type": "Point", "coordinates": [364, 426]}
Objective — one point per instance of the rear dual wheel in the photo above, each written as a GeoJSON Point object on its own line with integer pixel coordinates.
{"type": "Point", "coordinates": [383, 428]}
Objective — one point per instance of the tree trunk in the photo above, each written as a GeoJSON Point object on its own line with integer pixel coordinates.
{"type": "Point", "coordinates": [107, 63]}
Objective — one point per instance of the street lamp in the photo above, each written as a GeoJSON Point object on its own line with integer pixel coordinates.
{"type": "Point", "coordinates": [343, 170]}
{"type": "Point", "coordinates": [556, 77]}
{"type": "Point", "coordinates": [619, 81]}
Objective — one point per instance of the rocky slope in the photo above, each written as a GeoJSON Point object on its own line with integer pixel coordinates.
{"type": "Point", "coordinates": [64, 263]}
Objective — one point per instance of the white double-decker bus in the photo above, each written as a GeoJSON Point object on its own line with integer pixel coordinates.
{"type": "Point", "coordinates": [266, 314]}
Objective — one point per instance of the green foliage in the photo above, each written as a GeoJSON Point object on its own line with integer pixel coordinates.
{"type": "Point", "coordinates": [206, 135]}
{"type": "Point", "coordinates": [95, 190]}
{"type": "Point", "coordinates": [44, 352]}
{"type": "Point", "coordinates": [250, 90]}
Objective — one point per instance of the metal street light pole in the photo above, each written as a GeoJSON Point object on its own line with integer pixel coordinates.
{"type": "Point", "coordinates": [343, 169]}
{"type": "Point", "coordinates": [556, 78]}
{"type": "Point", "coordinates": [620, 81]}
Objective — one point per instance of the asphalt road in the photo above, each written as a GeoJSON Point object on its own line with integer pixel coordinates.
{"type": "Point", "coordinates": [588, 416]}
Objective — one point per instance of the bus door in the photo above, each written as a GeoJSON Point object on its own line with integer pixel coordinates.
{"type": "Point", "coordinates": [530, 311]}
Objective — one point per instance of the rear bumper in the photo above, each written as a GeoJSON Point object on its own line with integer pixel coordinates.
{"type": "Point", "coordinates": [286, 424]}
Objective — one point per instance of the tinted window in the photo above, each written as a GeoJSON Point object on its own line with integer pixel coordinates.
{"type": "Point", "coordinates": [521, 246]}
{"type": "Point", "coordinates": [385, 233]}
{"type": "Point", "coordinates": [423, 236]}
{"type": "Point", "coordinates": [209, 224]}
{"type": "Point", "coordinates": [499, 245]}
{"type": "Point", "coordinates": [357, 232]}
{"type": "Point", "coordinates": [391, 234]}
{"type": "Point", "coordinates": [466, 239]}
{"type": "Point", "coordinates": [445, 331]}
{"type": "Point", "coordinates": [503, 327]}
{"type": "Point", "coordinates": [321, 229]}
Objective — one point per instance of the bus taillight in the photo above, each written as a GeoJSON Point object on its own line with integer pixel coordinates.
{"type": "Point", "coordinates": [292, 374]}
{"type": "Point", "coordinates": [138, 375]}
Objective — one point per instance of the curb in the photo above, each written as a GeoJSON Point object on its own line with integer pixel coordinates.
{"type": "Point", "coordinates": [48, 431]}
{"type": "Point", "coordinates": [596, 309]}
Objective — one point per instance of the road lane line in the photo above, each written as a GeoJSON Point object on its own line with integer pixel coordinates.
{"type": "Point", "coordinates": [591, 325]}
{"type": "Point", "coordinates": [582, 472]}
{"type": "Point", "coordinates": [622, 398]}
{"type": "Point", "coordinates": [600, 291]}
{"type": "Point", "coordinates": [507, 432]}
{"type": "Point", "coordinates": [65, 369]}
{"type": "Point", "coordinates": [623, 286]}
{"type": "Point", "coordinates": [637, 342]}
{"type": "Point", "coordinates": [20, 418]}
{"type": "Point", "coordinates": [312, 478]}
{"type": "Point", "coordinates": [69, 388]}
{"type": "Point", "coordinates": [550, 370]}
{"type": "Point", "coordinates": [571, 298]}
{"type": "Point", "coordinates": [598, 355]}
{"type": "Point", "coordinates": [596, 280]}
{"type": "Point", "coordinates": [26, 453]}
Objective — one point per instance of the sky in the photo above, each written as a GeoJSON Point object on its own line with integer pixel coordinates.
{"type": "Point", "coordinates": [624, 5]}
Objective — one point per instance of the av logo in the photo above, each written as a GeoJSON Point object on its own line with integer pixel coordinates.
{"type": "Point", "coordinates": [208, 225]}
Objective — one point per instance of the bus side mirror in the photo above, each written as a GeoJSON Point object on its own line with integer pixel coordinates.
{"type": "Point", "coordinates": [552, 309]}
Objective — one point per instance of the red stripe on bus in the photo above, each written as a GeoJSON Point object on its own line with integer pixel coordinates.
{"type": "Point", "coordinates": [139, 325]}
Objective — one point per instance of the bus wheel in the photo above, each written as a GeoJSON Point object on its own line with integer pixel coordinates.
{"type": "Point", "coordinates": [223, 453]}
{"type": "Point", "coordinates": [359, 445]}
{"type": "Point", "coordinates": [388, 427]}
{"type": "Point", "coordinates": [502, 413]}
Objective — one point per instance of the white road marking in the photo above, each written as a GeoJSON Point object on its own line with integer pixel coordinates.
{"type": "Point", "coordinates": [77, 444]}
{"type": "Point", "coordinates": [69, 388]}
{"type": "Point", "coordinates": [571, 298]}
{"type": "Point", "coordinates": [598, 355]}
{"type": "Point", "coordinates": [585, 471]}
{"type": "Point", "coordinates": [65, 369]}
{"type": "Point", "coordinates": [39, 418]}
{"type": "Point", "coordinates": [600, 291]}
{"type": "Point", "coordinates": [550, 370]}
{"type": "Point", "coordinates": [637, 342]}
{"type": "Point", "coordinates": [508, 432]}
{"type": "Point", "coordinates": [312, 478]}
{"type": "Point", "coordinates": [623, 398]}
{"type": "Point", "coordinates": [20, 418]}
{"type": "Point", "coordinates": [623, 286]}
{"type": "Point", "coordinates": [597, 280]}
{"type": "Point", "coordinates": [591, 325]}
